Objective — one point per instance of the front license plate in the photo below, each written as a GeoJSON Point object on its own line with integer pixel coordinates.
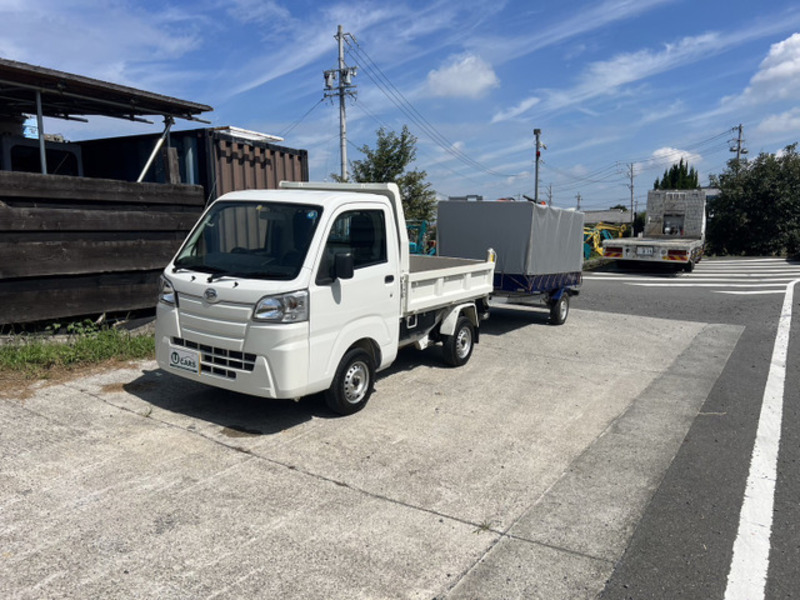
{"type": "Point", "coordinates": [645, 251]}
{"type": "Point", "coordinates": [186, 360]}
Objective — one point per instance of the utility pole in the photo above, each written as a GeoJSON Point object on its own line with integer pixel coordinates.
{"type": "Point", "coordinates": [345, 75]}
{"type": "Point", "coordinates": [537, 133]}
{"type": "Point", "coordinates": [739, 148]}
{"type": "Point", "coordinates": [579, 200]}
{"type": "Point", "coordinates": [550, 195]}
{"type": "Point", "coordinates": [631, 174]}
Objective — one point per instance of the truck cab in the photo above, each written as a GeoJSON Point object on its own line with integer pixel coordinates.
{"type": "Point", "coordinates": [289, 292]}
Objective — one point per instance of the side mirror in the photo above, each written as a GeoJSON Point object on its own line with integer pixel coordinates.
{"type": "Point", "coordinates": [343, 266]}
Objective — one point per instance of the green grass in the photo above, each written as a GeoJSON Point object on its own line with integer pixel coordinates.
{"type": "Point", "coordinates": [34, 356]}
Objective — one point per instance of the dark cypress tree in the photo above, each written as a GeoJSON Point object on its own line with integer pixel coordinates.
{"type": "Point", "coordinates": [678, 177]}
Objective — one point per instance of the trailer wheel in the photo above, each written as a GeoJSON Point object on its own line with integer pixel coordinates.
{"type": "Point", "coordinates": [353, 383]}
{"type": "Point", "coordinates": [559, 310]}
{"type": "Point", "coordinates": [458, 347]}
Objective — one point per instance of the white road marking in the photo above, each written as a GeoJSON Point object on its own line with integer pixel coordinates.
{"type": "Point", "coordinates": [713, 279]}
{"type": "Point", "coordinates": [717, 284]}
{"type": "Point", "coordinates": [764, 276]}
{"type": "Point", "coordinates": [749, 293]}
{"type": "Point", "coordinates": [747, 578]}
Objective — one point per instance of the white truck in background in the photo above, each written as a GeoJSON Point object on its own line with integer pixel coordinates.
{"type": "Point", "coordinates": [674, 232]}
{"type": "Point", "coordinates": [310, 288]}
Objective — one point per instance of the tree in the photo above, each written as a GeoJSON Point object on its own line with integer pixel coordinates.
{"type": "Point", "coordinates": [678, 177]}
{"type": "Point", "coordinates": [757, 211]}
{"type": "Point", "coordinates": [621, 207]}
{"type": "Point", "coordinates": [388, 162]}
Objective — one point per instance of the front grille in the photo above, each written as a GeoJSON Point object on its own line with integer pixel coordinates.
{"type": "Point", "coordinates": [219, 361]}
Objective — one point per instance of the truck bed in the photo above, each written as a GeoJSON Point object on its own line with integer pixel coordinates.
{"type": "Point", "coordinates": [437, 281]}
{"type": "Point", "coordinates": [676, 250]}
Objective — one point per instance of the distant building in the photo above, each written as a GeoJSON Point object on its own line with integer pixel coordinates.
{"type": "Point", "coordinates": [468, 198]}
{"type": "Point", "coordinates": [612, 217]}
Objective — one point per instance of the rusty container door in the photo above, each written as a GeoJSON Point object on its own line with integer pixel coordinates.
{"type": "Point", "coordinates": [246, 164]}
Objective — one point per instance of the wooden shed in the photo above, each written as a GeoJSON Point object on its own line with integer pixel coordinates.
{"type": "Point", "coordinates": [70, 245]}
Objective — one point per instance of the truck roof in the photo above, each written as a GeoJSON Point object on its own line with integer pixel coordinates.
{"type": "Point", "coordinates": [299, 196]}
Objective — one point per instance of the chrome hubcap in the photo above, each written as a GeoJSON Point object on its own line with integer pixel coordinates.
{"type": "Point", "coordinates": [463, 343]}
{"type": "Point", "coordinates": [356, 381]}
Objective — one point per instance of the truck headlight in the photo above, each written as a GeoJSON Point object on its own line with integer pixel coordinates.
{"type": "Point", "coordinates": [283, 308]}
{"type": "Point", "coordinates": [166, 293]}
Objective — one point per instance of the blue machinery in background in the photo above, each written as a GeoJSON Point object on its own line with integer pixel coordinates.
{"type": "Point", "coordinates": [418, 239]}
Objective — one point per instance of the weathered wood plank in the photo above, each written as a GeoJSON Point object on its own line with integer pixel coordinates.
{"type": "Point", "coordinates": [43, 300]}
{"type": "Point", "coordinates": [66, 219]}
{"type": "Point", "coordinates": [76, 189]}
{"type": "Point", "coordinates": [73, 257]}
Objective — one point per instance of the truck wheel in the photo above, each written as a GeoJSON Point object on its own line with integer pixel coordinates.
{"type": "Point", "coordinates": [559, 310]}
{"type": "Point", "coordinates": [689, 266]}
{"type": "Point", "coordinates": [353, 383]}
{"type": "Point", "coordinates": [458, 347]}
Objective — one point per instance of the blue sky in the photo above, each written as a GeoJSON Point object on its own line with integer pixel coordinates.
{"type": "Point", "coordinates": [611, 83]}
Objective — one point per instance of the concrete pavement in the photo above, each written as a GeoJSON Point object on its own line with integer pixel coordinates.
{"type": "Point", "coordinates": [521, 475]}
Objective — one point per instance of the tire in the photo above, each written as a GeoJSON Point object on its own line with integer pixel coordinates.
{"type": "Point", "coordinates": [559, 310]}
{"type": "Point", "coordinates": [353, 383]}
{"type": "Point", "coordinates": [458, 347]}
{"type": "Point", "coordinates": [689, 266]}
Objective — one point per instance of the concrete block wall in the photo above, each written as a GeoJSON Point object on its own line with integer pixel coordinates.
{"type": "Point", "coordinates": [690, 203]}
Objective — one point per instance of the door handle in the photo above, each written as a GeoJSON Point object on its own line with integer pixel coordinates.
{"type": "Point", "coordinates": [389, 279]}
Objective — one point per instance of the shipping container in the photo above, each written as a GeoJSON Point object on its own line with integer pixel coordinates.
{"type": "Point", "coordinates": [221, 159]}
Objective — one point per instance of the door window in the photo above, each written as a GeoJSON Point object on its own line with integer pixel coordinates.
{"type": "Point", "coordinates": [361, 233]}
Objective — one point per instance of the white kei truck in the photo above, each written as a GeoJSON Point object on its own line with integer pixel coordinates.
{"type": "Point", "coordinates": [674, 233]}
{"type": "Point", "coordinates": [310, 288]}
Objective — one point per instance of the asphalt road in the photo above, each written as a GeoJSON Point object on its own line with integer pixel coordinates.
{"type": "Point", "coordinates": [682, 548]}
{"type": "Point", "coordinates": [605, 456]}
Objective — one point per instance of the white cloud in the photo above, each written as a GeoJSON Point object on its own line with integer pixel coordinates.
{"type": "Point", "coordinates": [515, 111]}
{"type": "Point", "coordinates": [777, 80]}
{"type": "Point", "coordinates": [778, 76]}
{"type": "Point", "coordinates": [627, 68]}
{"type": "Point", "coordinates": [588, 18]}
{"type": "Point", "coordinates": [666, 157]}
{"type": "Point", "coordinates": [260, 11]}
{"type": "Point", "coordinates": [464, 75]}
{"type": "Point", "coordinates": [781, 123]}
{"type": "Point", "coordinates": [609, 77]}
{"type": "Point", "coordinates": [120, 43]}
{"type": "Point", "coordinates": [674, 155]}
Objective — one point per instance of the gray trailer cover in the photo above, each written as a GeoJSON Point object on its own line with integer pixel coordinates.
{"type": "Point", "coordinates": [529, 239]}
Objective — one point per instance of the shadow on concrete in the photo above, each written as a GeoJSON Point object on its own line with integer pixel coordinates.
{"type": "Point", "coordinates": [239, 415]}
{"type": "Point", "coordinates": [509, 317]}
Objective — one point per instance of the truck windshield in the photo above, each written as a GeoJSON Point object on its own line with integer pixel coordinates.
{"type": "Point", "coordinates": [251, 240]}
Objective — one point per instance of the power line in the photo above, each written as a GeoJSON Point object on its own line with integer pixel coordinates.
{"type": "Point", "coordinates": [379, 78]}
{"type": "Point", "coordinates": [291, 127]}
{"type": "Point", "coordinates": [606, 173]}
{"type": "Point", "coordinates": [360, 105]}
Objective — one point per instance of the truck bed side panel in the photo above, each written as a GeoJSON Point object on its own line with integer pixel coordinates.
{"type": "Point", "coordinates": [435, 282]}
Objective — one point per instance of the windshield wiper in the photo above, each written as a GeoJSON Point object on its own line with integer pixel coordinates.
{"type": "Point", "coordinates": [251, 275]}
{"type": "Point", "coordinates": [217, 273]}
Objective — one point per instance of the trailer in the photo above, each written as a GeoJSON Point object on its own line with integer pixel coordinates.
{"type": "Point", "coordinates": [674, 233]}
{"type": "Point", "coordinates": [539, 249]}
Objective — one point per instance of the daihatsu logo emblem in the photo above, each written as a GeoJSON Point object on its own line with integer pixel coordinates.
{"type": "Point", "coordinates": [211, 295]}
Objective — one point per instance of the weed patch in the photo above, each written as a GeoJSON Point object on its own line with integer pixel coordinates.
{"type": "Point", "coordinates": [34, 356]}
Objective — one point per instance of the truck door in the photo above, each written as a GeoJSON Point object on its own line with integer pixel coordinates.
{"type": "Point", "coordinates": [343, 311]}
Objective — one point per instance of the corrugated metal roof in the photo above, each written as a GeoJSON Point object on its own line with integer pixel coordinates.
{"type": "Point", "coordinates": [65, 94]}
